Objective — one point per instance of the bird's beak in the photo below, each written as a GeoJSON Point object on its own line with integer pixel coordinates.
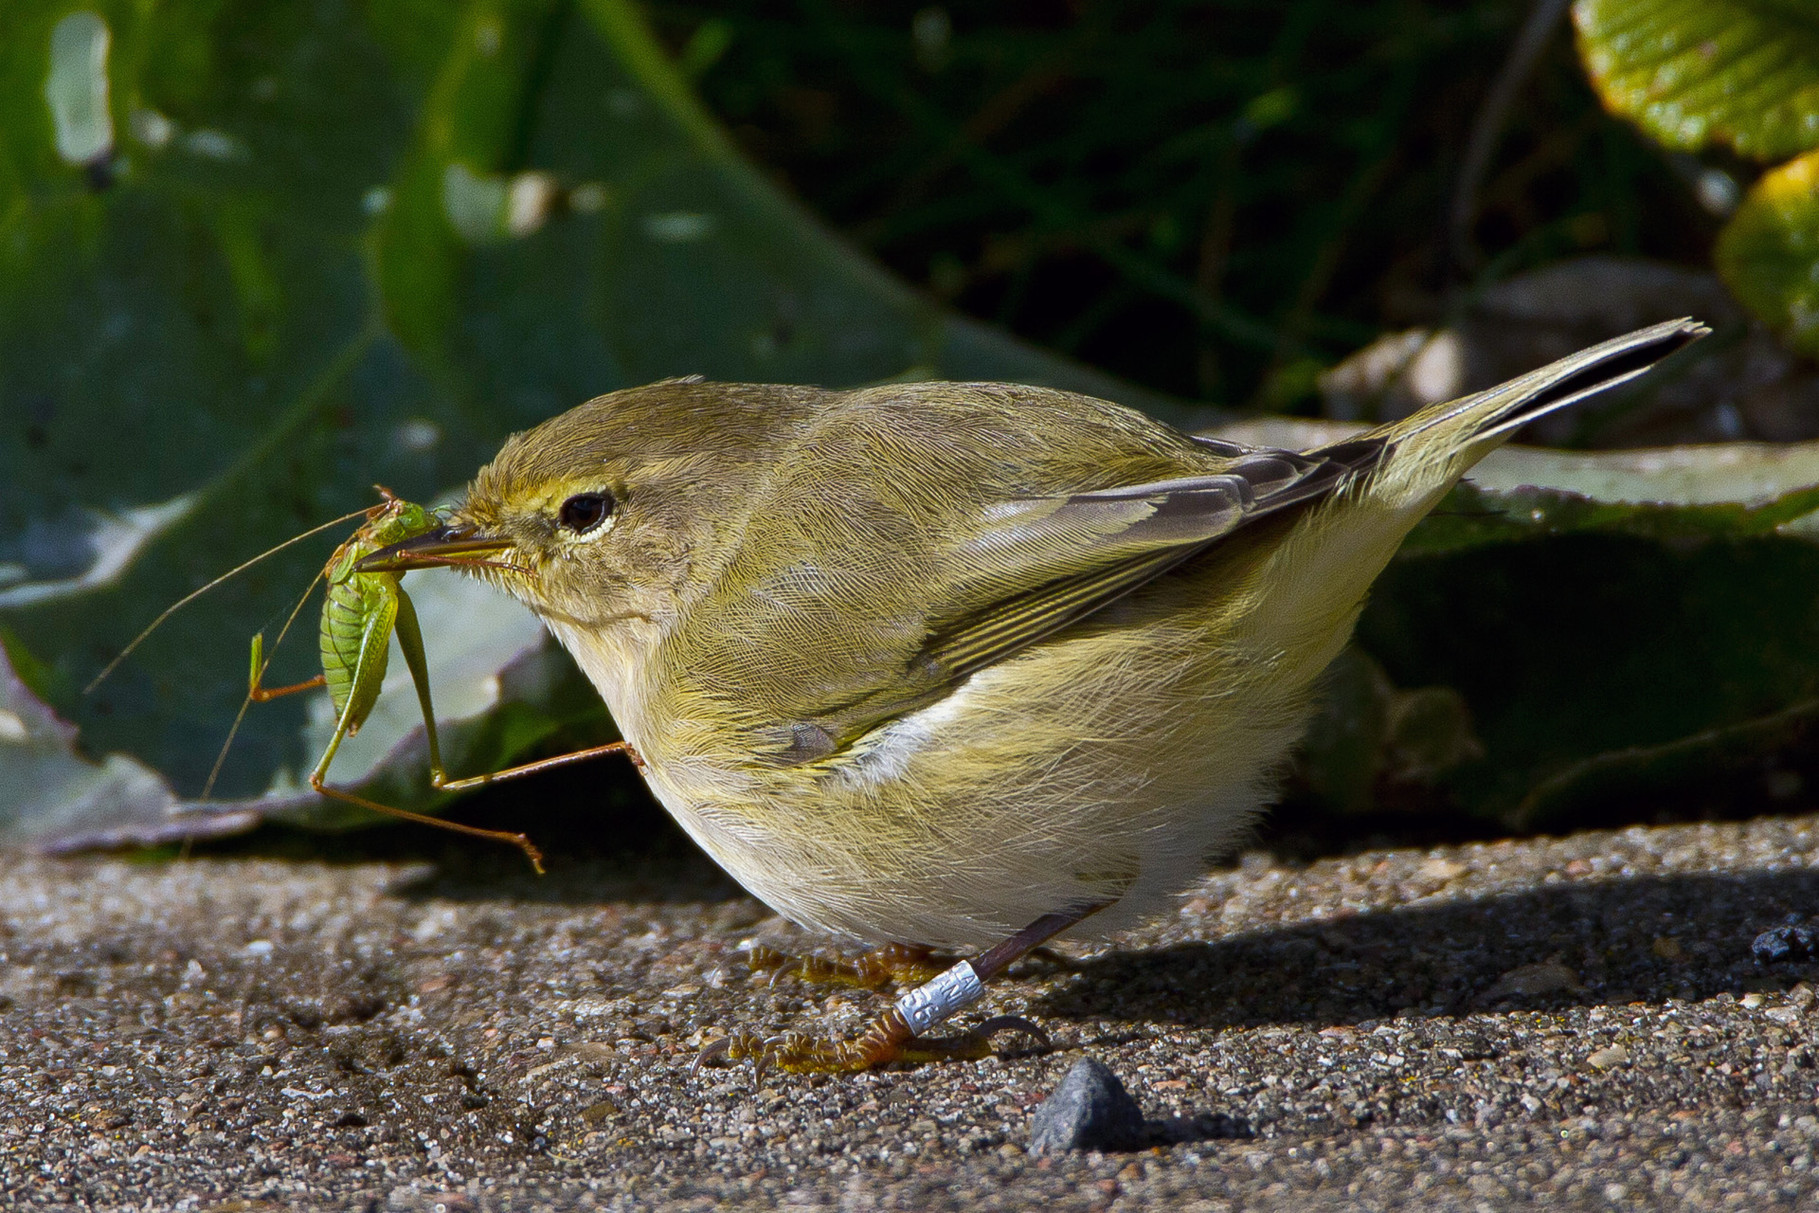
{"type": "Point", "coordinates": [445, 545]}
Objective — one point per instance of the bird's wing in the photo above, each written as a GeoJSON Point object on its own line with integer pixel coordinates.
{"type": "Point", "coordinates": [853, 611]}
{"type": "Point", "coordinates": [1058, 559]}
{"type": "Point", "coordinates": [914, 535]}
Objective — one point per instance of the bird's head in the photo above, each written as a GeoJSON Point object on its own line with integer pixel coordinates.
{"type": "Point", "coordinates": [616, 512]}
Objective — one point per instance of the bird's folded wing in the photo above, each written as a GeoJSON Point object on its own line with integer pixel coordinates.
{"type": "Point", "coordinates": [1045, 562]}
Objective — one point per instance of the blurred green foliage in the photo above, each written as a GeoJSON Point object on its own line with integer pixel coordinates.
{"type": "Point", "coordinates": [1216, 198]}
{"type": "Point", "coordinates": [1741, 75]}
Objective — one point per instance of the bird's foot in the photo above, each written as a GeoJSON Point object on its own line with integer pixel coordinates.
{"type": "Point", "coordinates": [888, 1039]}
{"type": "Point", "coordinates": [894, 963]}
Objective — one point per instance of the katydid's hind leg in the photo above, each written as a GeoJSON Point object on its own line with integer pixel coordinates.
{"type": "Point", "coordinates": [319, 781]}
{"type": "Point", "coordinates": [258, 692]}
{"type": "Point", "coordinates": [543, 764]}
{"type": "Point", "coordinates": [410, 641]}
{"type": "Point", "coordinates": [359, 701]}
{"type": "Point", "coordinates": [521, 841]}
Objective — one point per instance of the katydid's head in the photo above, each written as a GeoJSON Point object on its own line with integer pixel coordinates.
{"type": "Point", "coordinates": [614, 511]}
{"type": "Point", "coordinates": [398, 520]}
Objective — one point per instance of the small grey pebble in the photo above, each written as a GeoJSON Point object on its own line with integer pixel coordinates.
{"type": "Point", "coordinates": [1788, 943]}
{"type": "Point", "coordinates": [1090, 1110]}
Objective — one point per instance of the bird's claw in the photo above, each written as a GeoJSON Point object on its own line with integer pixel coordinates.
{"type": "Point", "coordinates": [892, 964]}
{"type": "Point", "coordinates": [881, 1044]}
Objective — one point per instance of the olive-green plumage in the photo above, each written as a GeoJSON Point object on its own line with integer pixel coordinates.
{"type": "Point", "coordinates": [925, 662]}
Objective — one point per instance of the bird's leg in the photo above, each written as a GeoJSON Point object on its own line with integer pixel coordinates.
{"type": "Point", "coordinates": [896, 1035]}
{"type": "Point", "coordinates": [894, 963]}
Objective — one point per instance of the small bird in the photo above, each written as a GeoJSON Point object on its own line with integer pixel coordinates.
{"type": "Point", "coordinates": [960, 665]}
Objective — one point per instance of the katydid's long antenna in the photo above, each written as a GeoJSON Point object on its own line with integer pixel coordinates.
{"type": "Point", "coordinates": [197, 593]}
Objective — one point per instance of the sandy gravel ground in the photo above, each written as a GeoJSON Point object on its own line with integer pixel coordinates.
{"type": "Point", "coordinates": [1569, 1023]}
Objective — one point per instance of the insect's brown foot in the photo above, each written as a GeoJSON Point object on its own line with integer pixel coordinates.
{"type": "Point", "coordinates": [886, 1040]}
{"type": "Point", "coordinates": [894, 963]}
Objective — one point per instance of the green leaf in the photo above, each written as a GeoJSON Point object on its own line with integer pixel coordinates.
{"type": "Point", "coordinates": [1768, 254]}
{"type": "Point", "coordinates": [1744, 73]}
{"type": "Point", "coordinates": [253, 261]}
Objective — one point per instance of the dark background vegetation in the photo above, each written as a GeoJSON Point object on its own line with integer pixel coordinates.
{"type": "Point", "coordinates": [1214, 199]}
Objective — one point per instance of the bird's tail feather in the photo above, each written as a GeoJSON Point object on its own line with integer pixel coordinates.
{"type": "Point", "coordinates": [1490, 417]}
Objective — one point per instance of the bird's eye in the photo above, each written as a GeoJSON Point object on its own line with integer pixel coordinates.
{"type": "Point", "coordinates": [585, 511]}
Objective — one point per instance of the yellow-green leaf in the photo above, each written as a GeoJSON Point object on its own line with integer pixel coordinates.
{"type": "Point", "coordinates": [1769, 252]}
{"type": "Point", "coordinates": [1696, 72]}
